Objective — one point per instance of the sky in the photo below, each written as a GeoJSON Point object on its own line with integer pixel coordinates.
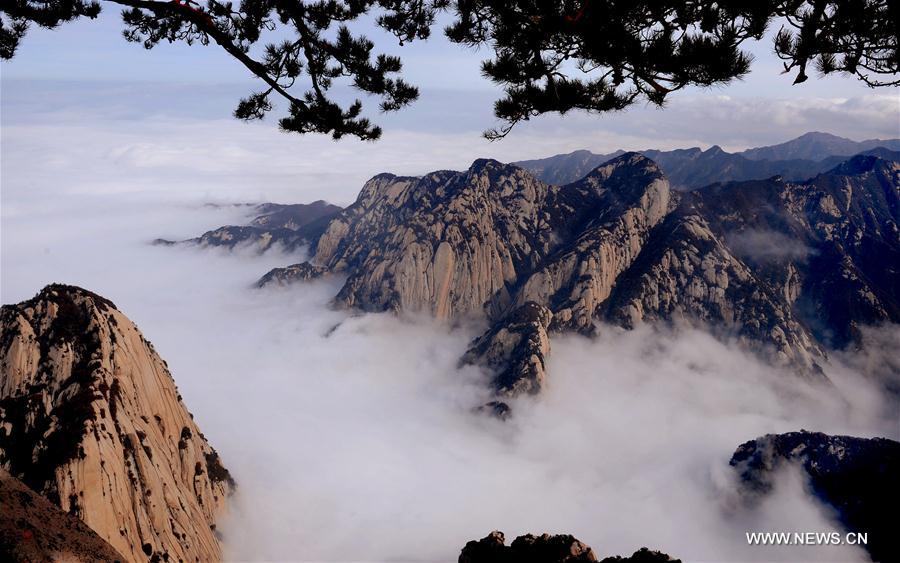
{"type": "Point", "coordinates": [83, 83]}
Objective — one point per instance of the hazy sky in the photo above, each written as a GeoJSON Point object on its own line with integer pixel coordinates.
{"type": "Point", "coordinates": [162, 119]}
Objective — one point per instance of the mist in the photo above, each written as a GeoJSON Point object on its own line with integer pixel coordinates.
{"type": "Point", "coordinates": [352, 437]}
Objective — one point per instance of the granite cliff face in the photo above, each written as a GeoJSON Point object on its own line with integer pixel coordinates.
{"type": "Point", "coordinates": [787, 268]}
{"type": "Point", "coordinates": [448, 243]}
{"type": "Point", "coordinates": [856, 477]}
{"type": "Point", "coordinates": [92, 420]}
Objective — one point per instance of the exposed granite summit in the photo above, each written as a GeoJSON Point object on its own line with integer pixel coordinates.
{"type": "Point", "coordinates": [92, 420]}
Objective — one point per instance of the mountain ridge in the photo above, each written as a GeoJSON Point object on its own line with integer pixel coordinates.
{"type": "Point", "coordinates": [691, 168]}
{"type": "Point", "coordinates": [620, 246]}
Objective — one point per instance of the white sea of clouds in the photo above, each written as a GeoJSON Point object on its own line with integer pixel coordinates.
{"type": "Point", "coordinates": [352, 437]}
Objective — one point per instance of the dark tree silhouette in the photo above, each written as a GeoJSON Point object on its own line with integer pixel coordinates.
{"type": "Point", "coordinates": [591, 55]}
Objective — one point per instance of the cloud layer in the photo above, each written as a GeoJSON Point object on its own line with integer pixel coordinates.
{"type": "Point", "coordinates": [352, 437]}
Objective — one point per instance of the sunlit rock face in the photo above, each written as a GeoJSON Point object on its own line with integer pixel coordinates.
{"type": "Point", "coordinates": [448, 243]}
{"type": "Point", "coordinates": [92, 420]}
{"type": "Point", "coordinates": [788, 269]}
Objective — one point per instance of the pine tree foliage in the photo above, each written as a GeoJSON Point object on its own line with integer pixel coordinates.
{"type": "Point", "coordinates": [547, 56]}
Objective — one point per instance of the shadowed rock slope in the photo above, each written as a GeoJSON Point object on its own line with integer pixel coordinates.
{"type": "Point", "coordinates": [92, 420]}
{"type": "Point", "coordinates": [34, 529]}
{"type": "Point", "coordinates": [786, 268]}
{"type": "Point", "coordinates": [857, 477]}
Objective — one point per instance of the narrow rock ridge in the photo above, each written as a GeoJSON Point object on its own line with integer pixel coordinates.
{"type": "Point", "coordinates": [291, 274]}
{"type": "Point", "coordinates": [856, 477]}
{"type": "Point", "coordinates": [34, 529]}
{"type": "Point", "coordinates": [546, 548]}
{"type": "Point", "coordinates": [515, 351]}
{"type": "Point", "coordinates": [92, 421]}
{"type": "Point", "coordinates": [787, 269]}
{"type": "Point", "coordinates": [290, 226]}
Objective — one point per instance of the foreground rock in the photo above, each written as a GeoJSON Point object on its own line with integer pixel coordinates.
{"type": "Point", "coordinates": [857, 477]}
{"type": "Point", "coordinates": [545, 548]}
{"type": "Point", "coordinates": [92, 421]}
{"type": "Point", "coordinates": [34, 529]}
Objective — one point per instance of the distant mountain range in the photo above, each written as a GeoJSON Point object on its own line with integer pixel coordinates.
{"type": "Point", "coordinates": [818, 146]}
{"type": "Point", "coordinates": [798, 159]}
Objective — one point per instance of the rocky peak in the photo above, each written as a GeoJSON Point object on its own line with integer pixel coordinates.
{"type": "Point", "coordinates": [446, 242]}
{"type": "Point", "coordinates": [381, 187]}
{"type": "Point", "coordinates": [92, 420]}
{"type": "Point", "coordinates": [545, 548]}
{"type": "Point", "coordinates": [862, 163]}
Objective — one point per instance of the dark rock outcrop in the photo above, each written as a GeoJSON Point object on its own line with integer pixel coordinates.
{"type": "Point", "coordinates": [643, 555]}
{"type": "Point", "coordinates": [91, 419]}
{"type": "Point", "coordinates": [526, 549]}
{"type": "Point", "coordinates": [291, 274]}
{"type": "Point", "coordinates": [857, 477]}
{"type": "Point", "coordinates": [546, 548]}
